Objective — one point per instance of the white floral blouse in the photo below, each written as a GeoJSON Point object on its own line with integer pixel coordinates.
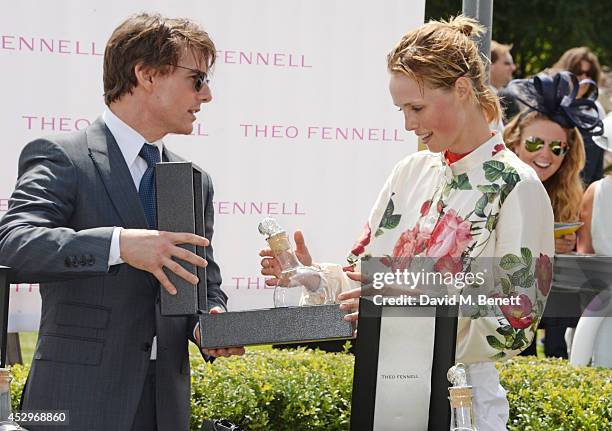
{"type": "Point", "coordinates": [487, 204]}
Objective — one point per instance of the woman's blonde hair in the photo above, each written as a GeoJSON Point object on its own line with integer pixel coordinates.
{"type": "Point", "coordinates": [564, 187]}
{"type": "Point", "coordinates": [440, 52]}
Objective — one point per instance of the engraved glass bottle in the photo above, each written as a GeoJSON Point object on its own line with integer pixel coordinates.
{"type": "Point", "coordinates": [6, 424]}
{"type": "Point", "coordinates": [298, 284]}
{"type": "Point", "coordinates": [460, 400]}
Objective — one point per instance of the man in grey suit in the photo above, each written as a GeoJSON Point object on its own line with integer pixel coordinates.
{"type": "Point", "coordinates": [82, 222]}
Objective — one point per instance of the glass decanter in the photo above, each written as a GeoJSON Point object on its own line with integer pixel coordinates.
{"type": "Point", "coordinates": [298, 285]}
{"type": "Point", "coordinates": [460, 400]}
{"type": "Point", "coordinates": [6, 424]}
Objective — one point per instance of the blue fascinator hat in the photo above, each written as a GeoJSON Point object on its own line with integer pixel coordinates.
{"type": "Point", "coordinates": [555, 96]}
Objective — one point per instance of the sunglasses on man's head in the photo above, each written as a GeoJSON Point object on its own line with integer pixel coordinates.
{"type": "Point", "coordinates": [199, 80]}
{"type": "Point", "coordinates": [534, 144]}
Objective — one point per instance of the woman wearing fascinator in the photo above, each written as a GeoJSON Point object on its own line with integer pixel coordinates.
{"type": "Point", "coordinates": [467, 197]}
{"type": "Point", "coordinates": [548, 137]}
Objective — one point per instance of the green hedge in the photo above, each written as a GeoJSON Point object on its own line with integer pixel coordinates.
{"type": "Point", "coordinates": [550, 394]}
{"type": "Point", "coordinates": [311, 390]}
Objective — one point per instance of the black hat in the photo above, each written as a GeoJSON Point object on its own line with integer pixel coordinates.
{"type": "Point", "coordinates": [555, 97]}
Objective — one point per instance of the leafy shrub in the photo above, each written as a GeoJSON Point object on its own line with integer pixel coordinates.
{"type": "Point", "coordinates": [311, 390]}
{"type": "Point", "coordinates": [550, 394]}
{"type": "Point", "coordinates": [279, 390]}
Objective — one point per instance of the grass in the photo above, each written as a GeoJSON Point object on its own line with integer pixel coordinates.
{"type": "Point", "coordinates": [27, 340]}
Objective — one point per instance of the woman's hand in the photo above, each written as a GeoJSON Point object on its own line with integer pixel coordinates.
{"type": "Point", "coordinates": [353, 297]}
{"type": "Point", "coordinates": [565, 244]}
{"type": "Point", "coordinates": [270, 265]}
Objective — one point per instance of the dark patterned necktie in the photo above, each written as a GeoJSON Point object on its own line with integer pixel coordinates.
{"type": "Point", "coordinates": [146, 191]}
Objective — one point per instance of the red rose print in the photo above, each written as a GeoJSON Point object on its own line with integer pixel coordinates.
{"type": "Point", "coordinates": [448, 264]}
{"type": "Point", "coordinates": [543, 273]}
{"type": "Point", "coordinates": [410, 243]}
{"type": "Point", "coordinates": [497, 149]}
{"type": "Point", "coordinates": [362, 242]}
{"type": "Point", "coordinates": [519, 315]}
{"type": "Point", "coordinates": [425, 207]}
{"type": "Point", "coordinates": [450, 236]}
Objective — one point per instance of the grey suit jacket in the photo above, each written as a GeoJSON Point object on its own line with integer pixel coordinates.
{"type": "Point", "coordinates": [97, 325]}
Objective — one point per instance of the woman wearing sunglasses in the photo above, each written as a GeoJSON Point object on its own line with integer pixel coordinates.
{"type": "Point", "coordinates": [548, 137]}
{"type": "Point", "coordinates": [466, 198]}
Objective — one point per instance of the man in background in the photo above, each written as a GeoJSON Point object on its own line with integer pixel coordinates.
{"type": "Point", "coordinates": [502, 68]}
{"type": "Point", "coordinates": [502, 65]}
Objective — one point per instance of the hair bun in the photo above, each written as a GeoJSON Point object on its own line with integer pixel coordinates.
{"type": "Point", "coordinates": [464, 25]}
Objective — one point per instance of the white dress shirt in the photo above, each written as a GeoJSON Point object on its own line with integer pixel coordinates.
{"type": "Point", "coordinates": [130, 143]}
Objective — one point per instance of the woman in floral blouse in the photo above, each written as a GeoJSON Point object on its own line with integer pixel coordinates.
{"type": "Point", "coordinates": [467, 197]}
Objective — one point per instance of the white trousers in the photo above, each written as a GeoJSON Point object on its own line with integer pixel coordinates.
{"type": "Point", "coordinates": [490, 405]}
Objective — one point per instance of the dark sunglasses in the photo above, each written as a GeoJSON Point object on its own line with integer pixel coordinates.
{"type": "Point", "coordinates": [534, 144]}
{"type": "Point", "coordinates": [580, 72]}
{"type": "Point", "coordinates": [200, 79]}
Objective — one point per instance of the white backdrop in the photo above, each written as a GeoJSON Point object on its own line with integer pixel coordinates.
{"type": "Point", "coordinates": [301, 126]}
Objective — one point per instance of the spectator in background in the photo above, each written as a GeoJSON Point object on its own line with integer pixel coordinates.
{"type": "Point", "coordinates": [502, 68]}
{"type": "Point", "coordinates": [595, 236]}
{"type": "Point", "coordinates": [502, 65]}
{"type": "Point", "coordinates": [583, 63]}
{"type": "Point", "coordinates": [549, 140]}
{"type": "Point", "coordinates": [548, 137]}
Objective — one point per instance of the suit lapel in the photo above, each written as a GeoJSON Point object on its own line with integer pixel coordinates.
{"type": "Point", "coordinates": [115, 174]}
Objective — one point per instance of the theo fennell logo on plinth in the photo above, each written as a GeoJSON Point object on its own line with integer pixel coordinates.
{"type": "Point", "coordinates": [399, 376]}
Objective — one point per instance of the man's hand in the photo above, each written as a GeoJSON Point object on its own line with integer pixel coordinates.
{"type": "Point", "coordinates": [239, 351]}
{"type": "Point", "coordinates": [151, 250]}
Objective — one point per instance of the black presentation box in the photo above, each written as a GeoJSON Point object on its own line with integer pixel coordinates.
{"type": "Point", "coordinates": [180, 208]}
{"type": "Point", "coordinates": [274, 325]}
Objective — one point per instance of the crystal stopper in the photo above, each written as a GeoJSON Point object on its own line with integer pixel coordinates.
{"type": "Point", "coordinates": [269, 227]}
{"type": "Point", "coordinates": [457, 375]}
